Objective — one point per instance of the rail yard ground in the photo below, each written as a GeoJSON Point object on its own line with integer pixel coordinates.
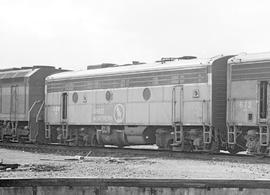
{"type": "Point", "coordinates": [40, 165]}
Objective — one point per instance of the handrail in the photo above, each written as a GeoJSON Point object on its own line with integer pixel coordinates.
{"type": "Point", "coordinates": [40, 108]}
{"type": "Point", "coordinates": [30, 110]}
{"type": "Point", "coordinates": [173, 105]}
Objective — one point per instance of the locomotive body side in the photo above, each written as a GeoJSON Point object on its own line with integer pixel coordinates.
{"type": "Point", "coordinates": [247, 109]}
{"type": "Point", "coordinates": [14, 95]}
{"type": "Point", "coordinates": [15, 103]}
{"type": "Point", "coordinates": [142, 104]}
{"type": "Point", "coordinates": [98, 106]}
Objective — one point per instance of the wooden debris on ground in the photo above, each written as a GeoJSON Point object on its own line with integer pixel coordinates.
{"type": "Point", "coordinates": [5, 166]}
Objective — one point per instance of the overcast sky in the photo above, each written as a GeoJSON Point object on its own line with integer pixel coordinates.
{"type": "Point", "coordinates": [74, 34]}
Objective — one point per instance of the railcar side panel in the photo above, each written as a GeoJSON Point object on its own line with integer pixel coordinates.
{"type": "Point", "coordinates": [126, 106]}
{"type": "Point", "coordinates": [14, 101]}
{"type": "Point", "coordinates": [1, 99]}
{"type": "Point", "coordinates": [131, 106]}
{"type": "Point", "coordinates": [80, 113]}
{"type": "Point", "coordinates": [135, 95]}
{"type": "Point", "coordinates": [21, 99]}
{"type": "Point", "coordinates": [133, 117]}
{"type": "Point", "coordinates": [6, 97]}
{"type": "Point", "coordinates": [160, 113]}
{"type": "Point", "coordinates": [244, 92]}
{"type": "Point", "coordinates": [196, 104]}
{"type": "Point", "coordinates": [52, 108]}
{"type": "Point", "coordinates": [146, 106]}
{"type": "Point", "coordinates": [243, 102]}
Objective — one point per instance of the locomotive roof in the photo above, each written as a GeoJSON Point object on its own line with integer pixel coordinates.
{"type": "Point", "coordinates": [22, 72]}
{"type": "Point", "coordinates": [17, 73]}
{"type": "Point", "coordinates": [245, 58]}
{"type": "Point", "coordinates": [131, 69]}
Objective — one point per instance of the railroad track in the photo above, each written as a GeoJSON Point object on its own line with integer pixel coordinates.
{"type": "Point", "coordinates": [100, 186]}
{"type": "Point", "coordinates": [131, 152]}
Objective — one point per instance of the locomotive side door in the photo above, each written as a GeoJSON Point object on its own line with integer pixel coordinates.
{"type": "Point", "coordinates": [13, 102]}
{"type": "Point", "coordinates": [64, 107]}
{"type": "Point", "coordinates": [177, 92]}
{"type": "Point", "coordinates": [64, 114]}
{"type": "Point", "coordinates": [263, 102]}
{"type": "Point", "coordinates": [13, 109]}
{"type": "Point", "coordinates": [177, 115]}
{"type": "Point", "coordinates": [264, 132]}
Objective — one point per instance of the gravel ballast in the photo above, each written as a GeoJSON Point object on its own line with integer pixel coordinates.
{"type": "Point", "coordinates": [35, 165]}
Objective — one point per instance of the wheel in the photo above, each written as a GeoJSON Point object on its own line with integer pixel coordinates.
{"type": "Point", "coordinates": [6, 139]}
{"type": "Point", "coordinates": [215, 145]}
{"type": "Point", "coordinates": [20, 140]}
{"type": "Point", "coordinates": [239, 146]}
{"type": "Point", "coordinates": [120, 146]}
{"type": "Point", "coordinates": [169, 144]}
{"type": "Point", "coordinates": [234, 149]}
{"type": "Point", "coordinates": [95, 143]}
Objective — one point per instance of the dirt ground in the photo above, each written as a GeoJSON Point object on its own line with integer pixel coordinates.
{"type": "Point", "coordinates": [49, 165]}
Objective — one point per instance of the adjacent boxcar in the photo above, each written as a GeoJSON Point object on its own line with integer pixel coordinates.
{"type": "Point", "coordinates": [248, 114]}
{"type": "Point", "coordinates": [22, 102]}
{"type": "Point", "coordinates": [175, 102]}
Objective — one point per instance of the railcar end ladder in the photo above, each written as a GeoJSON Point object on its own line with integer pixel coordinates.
{"type": "Point", "coordinates": [231, 134]}
{"type": "Point", "coordinates": [47, 131]}
{"type": "Point", "coordinates": [178, 133]}
{"type": "Point", "coordinates": [264, 135]}
{"type": "Point", "coordinates": [207, 134]}
{"type": "Point", "coordinates": [14, 125]}
{"type": "Point", "coordinates": [65, 130]}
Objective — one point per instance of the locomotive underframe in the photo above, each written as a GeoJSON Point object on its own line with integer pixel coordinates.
{"type": "Point", "coordinates": [192, 138]}
{"type": "Point", "coordinates": [14, 131]}
{"type": "Point", "coordinates": [253, 139]}
{"type": "Point", "coordinates": [98, 135]}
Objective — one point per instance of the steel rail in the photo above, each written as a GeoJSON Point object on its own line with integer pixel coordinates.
{"type": "Point", "coordinates": [123, 152]}
{"type": "Point", "coordinates": [168, 183]}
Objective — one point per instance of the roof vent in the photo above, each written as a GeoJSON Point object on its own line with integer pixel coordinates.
{"type": "Point", "coordinates": [134, 63]}
{"type": "Point", "coordinates": [170, 59]}
{"type": "Point", "coordinates": [103, 65]}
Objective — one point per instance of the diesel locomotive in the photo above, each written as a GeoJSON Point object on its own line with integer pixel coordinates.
{"type": "Point", "coordinates": [248, 113]}
{"type": "Point", "coordinates": [185, 104]}
{"type": "Point", "coordinates": [173, 103]}
{"type": "Point", "coordinates": [22, 102]}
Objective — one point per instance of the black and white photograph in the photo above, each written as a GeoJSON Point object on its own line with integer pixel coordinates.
{"type": "Point", "coordinates": [134, 97]}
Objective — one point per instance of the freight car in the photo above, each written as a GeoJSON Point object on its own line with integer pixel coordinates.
{"type": "Point", "coordinates": [175, 102]}
{"type": "Point", "coordinates": [248, 113]}
{"type": "Point", "coordinates": [22, 103]}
